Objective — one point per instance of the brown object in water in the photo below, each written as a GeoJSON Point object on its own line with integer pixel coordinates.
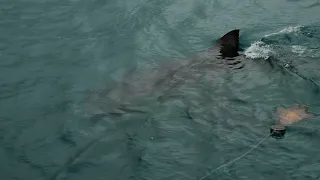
{"type": "Point", "coordinates": [289, 116]}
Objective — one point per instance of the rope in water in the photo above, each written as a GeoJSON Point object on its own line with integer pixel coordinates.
{"type": "Point", "coordinates": [234, 160]}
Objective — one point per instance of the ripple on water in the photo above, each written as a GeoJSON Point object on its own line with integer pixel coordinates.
{"type": "Point", "coordinates": [204, 123]}
{"type": "Point", "coordinates": [155, 42]}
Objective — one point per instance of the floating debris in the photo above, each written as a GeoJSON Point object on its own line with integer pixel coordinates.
{"type": "Point", "coordinates": [277, 131]}
{"type": "Point", "coordinates": [289, 116]}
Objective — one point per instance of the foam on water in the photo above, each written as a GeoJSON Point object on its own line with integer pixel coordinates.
{"type": "Point", "coordinates": [298, 49]}
{"type": "Point", "coordinates": [290, 29]}
{"type": "Point", "coordinates": [260, 49]}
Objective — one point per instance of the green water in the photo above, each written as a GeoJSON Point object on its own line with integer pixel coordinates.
{"type": "Point", "coordinates": [54, 54]}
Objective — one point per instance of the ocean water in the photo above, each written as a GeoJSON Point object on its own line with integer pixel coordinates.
{"type": "Point", "coordinates": [59, 60]}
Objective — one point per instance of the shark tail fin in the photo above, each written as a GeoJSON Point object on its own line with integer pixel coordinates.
{"type": "Point", "coordinates": [229, 44]}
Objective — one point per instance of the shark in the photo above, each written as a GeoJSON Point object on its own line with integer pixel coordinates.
{"type": "Point", "coordinates": [224, 54]}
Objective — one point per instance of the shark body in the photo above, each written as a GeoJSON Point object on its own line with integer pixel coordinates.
{"type": "Point", "coordinates": [158, 81]}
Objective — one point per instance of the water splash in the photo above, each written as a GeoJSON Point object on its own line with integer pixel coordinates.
{"type": "Point", "coordinates": [258, 50]}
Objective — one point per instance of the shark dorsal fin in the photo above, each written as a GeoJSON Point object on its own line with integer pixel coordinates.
{"type": "Point", "coordinates": [229, 44]}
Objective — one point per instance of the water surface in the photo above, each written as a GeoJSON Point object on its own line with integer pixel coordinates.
{"type": "Point", "coordinates": [54, 54]}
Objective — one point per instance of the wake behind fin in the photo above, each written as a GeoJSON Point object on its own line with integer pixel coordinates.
{"type": "Point", "coordinates": [229, 44]}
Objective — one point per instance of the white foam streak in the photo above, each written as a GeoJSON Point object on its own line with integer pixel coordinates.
{"type": "Point", "coordinates": [290, 29]}
{"type": "Point", "coordinates": [298, 49]}
{"type": "Point", "coordinates": [258, 50]}
{"type": "Point", "coordinates": [261, 50]}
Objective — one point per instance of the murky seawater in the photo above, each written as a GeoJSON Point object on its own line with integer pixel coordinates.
{"type": "Point", "coordinates": [56, 57]}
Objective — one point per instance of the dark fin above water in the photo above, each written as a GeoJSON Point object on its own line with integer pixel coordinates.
{"type": "Point", "coordinates": [229, 44]}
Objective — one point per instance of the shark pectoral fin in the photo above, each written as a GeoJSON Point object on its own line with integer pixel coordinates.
{"type": "Point", "coordinates": [229, 44]}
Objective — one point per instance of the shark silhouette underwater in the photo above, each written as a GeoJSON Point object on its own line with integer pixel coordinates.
{"type": "Point", "coordinates": [224, 53]}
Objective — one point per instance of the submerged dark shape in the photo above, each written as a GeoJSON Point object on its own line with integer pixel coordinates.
{"type": "Point", "coordinates": [138, 85]}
